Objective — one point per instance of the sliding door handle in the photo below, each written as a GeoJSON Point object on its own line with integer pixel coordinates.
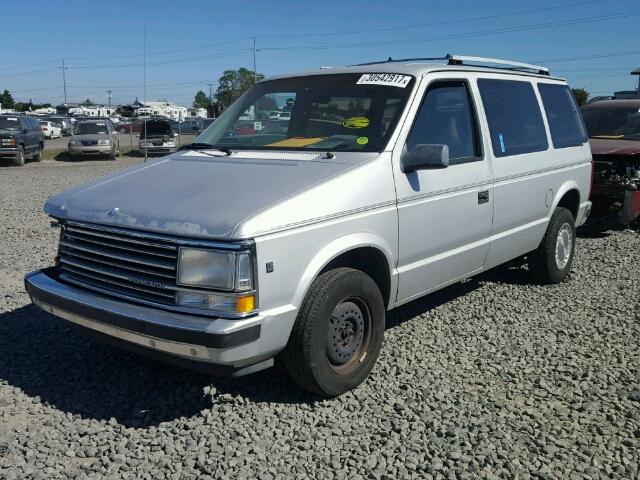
{"type": "Point", "coordinates": [483, 197]}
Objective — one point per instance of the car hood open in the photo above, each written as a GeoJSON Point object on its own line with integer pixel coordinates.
{"type": "Point", "coordinates": [602, 146]}
{"type": "Point", "coordinates": [194, 195]}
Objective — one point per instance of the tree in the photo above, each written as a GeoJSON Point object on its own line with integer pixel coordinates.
{"type": "Point", "coordinates": [581, 95]}
{"type": "Point", "coordinates": [267, 104]}
{"type": "Point", "coordinates": [6, 99]}
{"type": "Point", "coordinates": [87, 103]}
{"type": "Point", "coordinates": [201, 100]}
{"type": "Point", "coordinates": [234, 83]}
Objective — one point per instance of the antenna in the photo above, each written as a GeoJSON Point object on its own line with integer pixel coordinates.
{"type": "Point", "coordinates": [144, 84]}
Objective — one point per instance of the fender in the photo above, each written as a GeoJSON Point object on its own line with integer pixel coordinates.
{"type": "Point", "coordinates": [564, 188]}
{"type": "Point", "coordinates": [338, 247]}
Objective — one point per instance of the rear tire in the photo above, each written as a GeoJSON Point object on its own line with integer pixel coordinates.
{"type": "Point", "coordinates": [19, 160]}
{"type": "Point", "coordinates": [338, 333]}
{"type": "Point", "coordinates": [38, 155]}
{"type": "Point", "coordinates": [551, 262]}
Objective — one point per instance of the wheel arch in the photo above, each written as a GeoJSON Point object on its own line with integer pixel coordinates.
{"type": "Point", "coordinates": [362, 251]}
{"type": "Point", "coordinates": [568, 196]}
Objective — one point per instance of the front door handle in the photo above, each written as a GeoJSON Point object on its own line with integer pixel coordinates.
{"type": "Point", "coordinates": [483, 197]}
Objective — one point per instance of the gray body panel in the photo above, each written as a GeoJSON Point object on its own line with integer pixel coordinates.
{"type": "Point", "coordinates": [198, 196]}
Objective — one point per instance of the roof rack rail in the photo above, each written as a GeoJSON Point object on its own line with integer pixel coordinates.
{"type": "Point", "coordinates": [508, 64]}
{"type": "Point", "coordinates": [464, 60]}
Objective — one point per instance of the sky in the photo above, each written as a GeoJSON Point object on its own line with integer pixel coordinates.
{"type": "Point", "coordinates": [189, 44]}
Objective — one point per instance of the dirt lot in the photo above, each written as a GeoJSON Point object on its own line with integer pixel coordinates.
{"type": "Point", "coordinates": [493, 378]}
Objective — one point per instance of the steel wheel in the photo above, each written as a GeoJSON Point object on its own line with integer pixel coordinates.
{"type": "Point", "coordinates": [348, 335]}
{"type": "Point", "coordinates": [564, 246]}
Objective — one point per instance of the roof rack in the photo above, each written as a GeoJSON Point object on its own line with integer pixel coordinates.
{"type": "Point", "coordinates": [508, 64]}
{"type": "Point", "coordinates": [477, 61]}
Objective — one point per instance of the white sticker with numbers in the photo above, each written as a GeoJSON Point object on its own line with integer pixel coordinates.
{"type": "Point", "coordinates": [386, 79]}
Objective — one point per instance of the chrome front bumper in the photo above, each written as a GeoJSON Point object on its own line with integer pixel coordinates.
{"type": "Point", "coordinates": [217, 345]}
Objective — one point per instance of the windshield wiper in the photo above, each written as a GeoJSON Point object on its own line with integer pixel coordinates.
{"type": "Point", "coordinates": [205, 146]}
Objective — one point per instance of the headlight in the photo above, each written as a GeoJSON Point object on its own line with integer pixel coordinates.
{"type": "Point", "coordinates": [170, 143]}
{"type": "Point", "coordinates": [104, 142]}
{"type": "Point", "coordinates": [206, 268]}
{"type": "Point", "coordinates": [146, 144]}
{"type": "Point", "coordinates": [219, 270]}
{"type": "Point", "coordinates": [74, 143]}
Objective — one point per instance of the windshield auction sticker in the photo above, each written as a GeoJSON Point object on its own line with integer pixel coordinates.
{"type": "Point", "coordinates": [387, 79]}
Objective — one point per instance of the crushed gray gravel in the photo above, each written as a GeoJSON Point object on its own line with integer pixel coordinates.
{"type": "Point", "coordinates": [492, 378]}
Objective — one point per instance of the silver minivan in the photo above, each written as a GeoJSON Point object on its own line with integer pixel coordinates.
{"type": "Point", "coordinates": [266, 238]}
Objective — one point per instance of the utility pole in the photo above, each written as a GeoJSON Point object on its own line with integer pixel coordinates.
{"type": "Point", "coordinates": [210, 112]}
{"type": "Point", "coordinates": [109, 92]}
{"type": "Point", "coordinates": [64, 81]}
{"type": "Point", "coordinates": [255, 73]}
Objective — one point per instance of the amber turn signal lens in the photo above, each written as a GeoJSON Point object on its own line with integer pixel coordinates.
{"type": "Point", "coordinates": [245, 304]}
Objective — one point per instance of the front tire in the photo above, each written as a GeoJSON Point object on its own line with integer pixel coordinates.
{"type": "Point", "coordinates": [338, 333]}
{"type": "Point", "coordinates": [551, 262]}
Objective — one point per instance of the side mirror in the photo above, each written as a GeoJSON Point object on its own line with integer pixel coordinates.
{"type": "Point", "coordinates": [425, 156]}
{"type": "Point", "coordinates": [25, 130]}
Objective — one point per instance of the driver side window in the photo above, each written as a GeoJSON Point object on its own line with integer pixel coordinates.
{"type": "Point", "coordinates": [447, 117]}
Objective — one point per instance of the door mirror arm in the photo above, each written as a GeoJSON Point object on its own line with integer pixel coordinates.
{"type": "Point", "coordinates": [424, 157]}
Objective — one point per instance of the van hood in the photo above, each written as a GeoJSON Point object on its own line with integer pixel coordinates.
{"type": "Point", "coordinates": [196, 195]}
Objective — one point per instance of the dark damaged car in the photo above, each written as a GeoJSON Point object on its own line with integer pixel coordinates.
{"type": "Point", "coordinates": [157, 136]}
{"type": "Point", "coordinates": [614, 131]}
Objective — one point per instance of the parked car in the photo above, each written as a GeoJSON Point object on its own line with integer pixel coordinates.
{"type": "Point", "coordinates": [614, 130]}
{"type": "Point", "coordinates": [395, 180]}
{"type": "Point", "coordinates": [20, 137]}
{"type": "Point", "coordinates": [130, 126]}
{"type": "Point", "coordinates": [65, 123]}
{"type": "Point", "coordinates": [94, 137]}
{"type": "Point", "coordinates": [205, 123]}
{"type": "Point", "coordinates": [50, 129]}
{"type": "Point", "coordinates": [191, 126]}
{"type": "Point", "coordinates": [157, 136]}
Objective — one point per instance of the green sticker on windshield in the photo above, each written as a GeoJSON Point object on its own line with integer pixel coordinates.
{"type": "Point", "coordinates": [356, 122]}
{"type": "Point", "coordinates": [362, 140]}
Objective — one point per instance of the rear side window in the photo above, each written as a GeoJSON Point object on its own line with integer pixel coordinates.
{"type": "Point", "coordinates": [565, 121]}
{"type": "Point", "coordinates": [514, 117]}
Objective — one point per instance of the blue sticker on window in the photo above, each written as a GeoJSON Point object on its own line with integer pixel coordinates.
{"type": "Point", "coordinates": [502, 149]}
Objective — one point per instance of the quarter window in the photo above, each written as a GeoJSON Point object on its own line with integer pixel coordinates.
{"type": "Point", "coordinates": [565, 121]}
{"type": "Point", "coordinates": [514, 117]}
{"type": "Point", "coordinates": [446, 117]}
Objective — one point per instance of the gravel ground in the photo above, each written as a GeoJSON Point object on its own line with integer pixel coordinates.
{"type": "Point", "coordinates": [492, 378]}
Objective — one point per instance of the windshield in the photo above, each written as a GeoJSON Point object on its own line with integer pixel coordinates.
{"type": "Point", "coordinates": [340, 112]}
{"type": "Point", "coordinates": [614, 123]}
{"type": "Point", "coordinates": [9, 123]}
{"type": "Point", "coordinates": [90, 128]}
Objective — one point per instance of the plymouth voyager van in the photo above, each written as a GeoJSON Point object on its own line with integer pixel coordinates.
{"type": "Point", "coordinates": [291, 238]}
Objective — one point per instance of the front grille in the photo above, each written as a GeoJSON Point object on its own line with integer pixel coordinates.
{"type": "Point", "coordinates": [88, 143]}
{"type": "Point", "coordinates": [119, 263]}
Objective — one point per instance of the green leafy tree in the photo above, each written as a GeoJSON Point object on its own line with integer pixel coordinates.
{"type": "Point", "coordinates": [581, 95]}
{"type": "Point", "coordinates": [234, 83]}
{"type": "Point", "coordinates": [87, 103]}
{"type": "Point", "coordinates": [6, 99]}
{"type": "Point", "coordinates": [267, 104]}
{"type": "Point", "coordinates": [201, 100]}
